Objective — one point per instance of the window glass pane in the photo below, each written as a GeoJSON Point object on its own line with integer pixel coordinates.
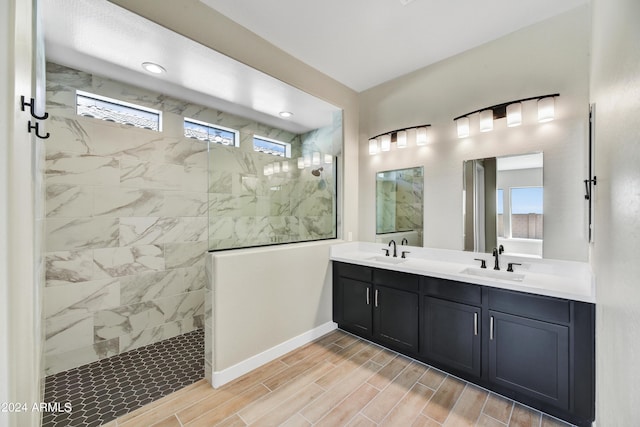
{"type": "Point", "coordinates": [271, 146]}
{"type": "Point", "coordinates": [112, 110]}
{"type": "Point", "coordinates": [526, 212]}
{"type": "Point", "coordinates": [211, 133]}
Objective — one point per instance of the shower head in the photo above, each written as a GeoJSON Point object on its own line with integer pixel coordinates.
{"type": "Point", "coordinates": [316, 172]}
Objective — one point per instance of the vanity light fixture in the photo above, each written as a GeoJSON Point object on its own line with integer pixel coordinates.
{"type": "Point", "coordinates": [315, 158]}
{"type": "Point", "coordinates": [514, 114]}
{"type": "Point", "coordinates": [398, 136]}
{"type": "Point", "coordinates": [153, 68]}
{"type": "Point", "coordinates": [402, 139]}
{"type": "Point", "coordinates": [512, 110]}
{"type": "Point", "coordinates": [421, 136]}
{"type": "Point", "coordinates": [373, 146]}
{"type": "Point", "coordinates": [462, 124]}
{"type": "Point", "coordinates": [486, 120]}
{"type": "Point", "coordinates": [546, 109]}
{"type": "Point", "coordinates": [385, 143]}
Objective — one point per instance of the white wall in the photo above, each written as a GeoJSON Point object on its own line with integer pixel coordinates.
{"type": "Point", "coordinates": [19, 333]}
{"type": "Point", "coordinates": [549, 57]}
{"type": "Point", "coordinates": [615, 88]}
{"type": "Point", "coordinates": [262, 298]}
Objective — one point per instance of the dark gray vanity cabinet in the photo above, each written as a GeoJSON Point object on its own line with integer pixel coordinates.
{"type": "Point", "coordinates": [542, 352]}
{"type": "Point", "coordinates": [452, 325]}
{"type": "Point", "coordinates": [452, 335]}
{"type": "Point", "coordinates": [535, 349]}
{"type": "Point", "coordinates": [530, 357]}
{"type": "Point", "coordinates": [352, 298]}
{"type": "Point", "coordinates": [381, 305]}
{"type": "Point", "coordinates": [396, 309]}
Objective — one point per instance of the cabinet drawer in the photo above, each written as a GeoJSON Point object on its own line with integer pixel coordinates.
{"type": "Point", "coordinates": [532, 306]}
{"type": "Point", "coordinates": [454, 291]}
{"type": "Point", "coordinates": [352, 271]}
{"type": "Point", "coordinates": [396, 279]}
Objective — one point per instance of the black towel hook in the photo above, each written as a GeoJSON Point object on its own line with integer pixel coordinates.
{"type": "Point", "coordinates": [32, 107]}
{"type": "Point", "coordinates": [587, 188]}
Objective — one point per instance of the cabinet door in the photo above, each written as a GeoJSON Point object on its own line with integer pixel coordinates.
{"type": "Point", "coordinates": [530, 357]}
{"type": "Point", "coordinates": [355, 305]}
{"type": "Point", "coordinates": [396, 317]}
{"type": "Point", "coordinates": [452, 334]}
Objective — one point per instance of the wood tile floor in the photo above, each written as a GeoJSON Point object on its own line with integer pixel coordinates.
{"type": "Point", "coordinates": [338, 380]}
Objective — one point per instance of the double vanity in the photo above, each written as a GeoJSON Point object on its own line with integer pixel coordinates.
{"type": "Point", "coordinates": [527, 334]}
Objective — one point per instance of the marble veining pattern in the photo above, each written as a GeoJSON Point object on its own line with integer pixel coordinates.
{"type": "Point", "coordinates": [131, 213]}
{"type": "Point", "coordinates": [125, 228]}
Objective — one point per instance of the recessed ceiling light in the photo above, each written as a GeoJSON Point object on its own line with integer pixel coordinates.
{"type": "Point", "coordinates": [153, 68]}
{"type": "Point", "coordinates": [286, 114]}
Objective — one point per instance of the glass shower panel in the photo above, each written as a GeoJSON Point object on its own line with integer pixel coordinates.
{"type": "Point", "coordinates": [258, 199]}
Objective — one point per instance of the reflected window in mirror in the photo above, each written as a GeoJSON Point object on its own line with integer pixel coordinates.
{"type": "Point", "coordinates": [399, 206]}
{"type": "Point", "coordinates": [503, 204]}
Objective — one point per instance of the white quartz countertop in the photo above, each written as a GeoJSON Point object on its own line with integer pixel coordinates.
{"type": "Point", "coordinates": [562, 279]}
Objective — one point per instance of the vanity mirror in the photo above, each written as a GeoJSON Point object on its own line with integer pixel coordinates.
{"type": "Point", "coordinates": [503, 204]}
{"type": "Point", "coordinates": [399, 205]}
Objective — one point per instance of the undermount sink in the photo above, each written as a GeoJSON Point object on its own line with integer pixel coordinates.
{"type": "Point", "coordinates": [387, 259]}
{"type": "Point", "coordinates": [494, 274]}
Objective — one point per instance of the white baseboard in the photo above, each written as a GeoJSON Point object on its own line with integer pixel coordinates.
{"type": "Point", "coordinates": [220, 378]}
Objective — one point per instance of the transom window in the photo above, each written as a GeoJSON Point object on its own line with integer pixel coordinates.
{"type": "Point", "coordinates": [113, 110]}
{"type": "Point", "coordinates": [271, 146]}
{"type": "Point", "coordinates": [211, 133]}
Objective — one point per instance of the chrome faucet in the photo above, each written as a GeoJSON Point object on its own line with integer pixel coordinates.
{"type": "Point", "coordinates": [496, 253]}
{"type": "Point", "coordinates": [395, 252]}
{"type": "Point", "coordinates": [404, 241]}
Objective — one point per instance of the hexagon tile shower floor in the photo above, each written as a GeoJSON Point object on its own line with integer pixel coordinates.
{"type": "Point", "coordinates": [104, 390]}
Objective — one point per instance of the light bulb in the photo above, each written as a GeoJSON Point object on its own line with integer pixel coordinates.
{"type": "Point", "coordinates": [546, 109]}
{"type": "Point", "coordinates": [514, 114]}
{"type": "Point", "coordinates": [402, 139]}
{"type": "Point", "coordinates": [385, 143]}
{"type": "Point", "coordinates": [373, 146]}
{"type": "Point", "coordinates": [486, 120]}
{"type": "Point", "coordinates": [463, 127]}
{"type": "Point", "coordinates": [421, 136]}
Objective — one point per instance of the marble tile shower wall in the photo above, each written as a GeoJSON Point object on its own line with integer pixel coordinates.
{"type": "Point", "coordinates": [126, 226]}
{"type": "Point", "coordinates": [250, 209]}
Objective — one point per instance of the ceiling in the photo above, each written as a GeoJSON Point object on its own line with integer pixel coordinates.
{"type": "Point", "coordinates": [362, 43]}
{"type": "Point", "coordinates": [102, 38]}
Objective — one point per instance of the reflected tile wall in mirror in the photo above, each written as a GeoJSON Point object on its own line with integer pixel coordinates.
{"type": "Point", "coordinates": [399, 205]}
